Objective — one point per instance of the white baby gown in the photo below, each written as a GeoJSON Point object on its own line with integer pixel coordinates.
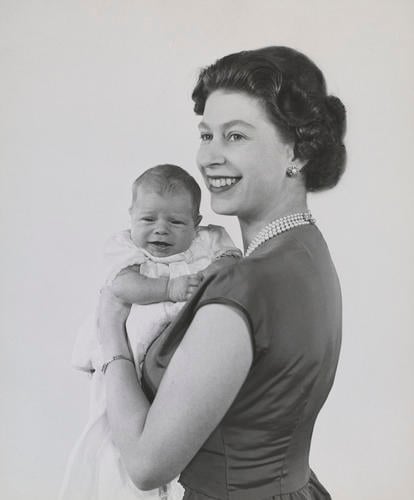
{"type": "Point", "coordinates": [95, 470]}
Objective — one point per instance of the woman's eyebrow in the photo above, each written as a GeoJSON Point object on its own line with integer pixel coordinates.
{"type": "Point", "coordinates": [228, 124]}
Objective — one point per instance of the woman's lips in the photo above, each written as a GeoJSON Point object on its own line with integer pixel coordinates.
{"type": "Point", "coordinates": [219, 184]}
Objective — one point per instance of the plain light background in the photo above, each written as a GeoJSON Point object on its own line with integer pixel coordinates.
{"type": "Point", "coordinates": [94, 92]}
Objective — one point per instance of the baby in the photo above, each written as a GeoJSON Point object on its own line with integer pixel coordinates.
{"type": "Point", "coordinates": [156, 266]}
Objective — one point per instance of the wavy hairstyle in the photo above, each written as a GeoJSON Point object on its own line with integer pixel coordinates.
{"type": "Point", "coordinates": [292, 90]}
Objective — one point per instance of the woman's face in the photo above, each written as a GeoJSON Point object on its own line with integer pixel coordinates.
{"type": "Point", "coordinates": [242, 156]}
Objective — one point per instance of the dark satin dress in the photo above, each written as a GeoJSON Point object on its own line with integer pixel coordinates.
{"type": "Point", "coordinates": [289, 293]}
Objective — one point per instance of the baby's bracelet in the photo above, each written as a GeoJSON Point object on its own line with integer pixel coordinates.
{"type": "Point", "coordinates": [115, 358]}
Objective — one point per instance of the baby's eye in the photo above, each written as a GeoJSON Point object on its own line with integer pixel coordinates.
{"type": "Point", "coordinates": [176, 222]}
{"type": "Point", "coordinates": [205, 137]}
{"type": "Point", "coordinates": [235, 137]}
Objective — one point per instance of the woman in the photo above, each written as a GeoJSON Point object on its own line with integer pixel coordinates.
{"type": "Point", "coordinates": [238, 380]}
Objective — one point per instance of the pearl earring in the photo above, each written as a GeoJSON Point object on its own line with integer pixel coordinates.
{"type": "Point", "coordinates": [292, 171]}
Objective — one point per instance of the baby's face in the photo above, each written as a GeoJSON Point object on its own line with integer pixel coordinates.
{"type": "Point", "coordinates": [162, 224]}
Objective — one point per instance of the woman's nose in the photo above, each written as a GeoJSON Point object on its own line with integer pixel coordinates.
{"type": "Point", "coordinates": [210, 154]}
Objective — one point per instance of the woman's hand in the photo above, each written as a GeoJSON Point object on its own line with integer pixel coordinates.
{"type": "Point", "coordinates": [112, 316]}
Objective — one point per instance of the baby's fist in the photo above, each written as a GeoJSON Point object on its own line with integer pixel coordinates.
{"type": "Point", "coordinates": [180, 289]}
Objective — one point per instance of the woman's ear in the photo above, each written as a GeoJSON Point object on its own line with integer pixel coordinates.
{"type": "Point", "coordinates": [298, 163]}
{"type": "Point", "coordinates": [293, 160]}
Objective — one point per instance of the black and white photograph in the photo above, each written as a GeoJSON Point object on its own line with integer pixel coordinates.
{"type": "Point", "coordinates": [207, 275]}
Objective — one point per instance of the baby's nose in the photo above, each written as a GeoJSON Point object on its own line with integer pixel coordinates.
{"type": "Point", "coordinates": [161, 227]}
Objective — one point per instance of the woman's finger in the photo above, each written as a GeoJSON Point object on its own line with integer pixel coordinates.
{"type": "Point", "coordinates": [190, 291]}
{"type": "Point", "coordinates": [194, 280]}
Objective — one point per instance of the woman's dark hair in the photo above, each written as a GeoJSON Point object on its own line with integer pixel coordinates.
{"type": "Point", "coordinates": [293, 91]}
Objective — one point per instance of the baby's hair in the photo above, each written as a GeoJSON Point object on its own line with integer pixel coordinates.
{"type": "Point", "coordinates": [169, 178]}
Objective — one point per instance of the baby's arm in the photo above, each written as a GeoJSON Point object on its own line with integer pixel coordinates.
{"type": "Point", "coordinates": [134, 288]}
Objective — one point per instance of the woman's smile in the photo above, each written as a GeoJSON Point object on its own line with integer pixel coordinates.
{"type": "Point", "coordinates": [218, 184]}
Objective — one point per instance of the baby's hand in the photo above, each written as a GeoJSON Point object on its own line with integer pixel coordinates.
{"type": "Point", "coordinates": [180, 289]}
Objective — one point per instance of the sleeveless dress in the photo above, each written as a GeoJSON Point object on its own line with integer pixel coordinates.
{"type": "Point", "coordinates": [289, 293]}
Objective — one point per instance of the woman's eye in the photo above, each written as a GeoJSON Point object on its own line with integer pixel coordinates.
{"type": "Point", "coordinates": [147, 219]}
{"type": "Point", "coordinates": [206, 137]}
{"type": "Point", "coordinates": [234, 137]}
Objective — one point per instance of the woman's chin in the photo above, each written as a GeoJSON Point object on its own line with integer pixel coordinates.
{"type": "Point", "coordinates": [222, 207]}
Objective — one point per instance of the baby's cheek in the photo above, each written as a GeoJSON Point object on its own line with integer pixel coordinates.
{"type": "Point", "coordinates": [187, 236]}
{"type": "Point", "coordinates": [137, 236]}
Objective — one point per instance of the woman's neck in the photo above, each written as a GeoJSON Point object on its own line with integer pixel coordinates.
{"type": "Point", "coordinates": [250, 227]}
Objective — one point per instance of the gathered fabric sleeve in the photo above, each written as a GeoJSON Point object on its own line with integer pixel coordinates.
{"type": "Point", "coordinates": [218, 241]}
{"type": "Point", "coordinates": [120, 253]}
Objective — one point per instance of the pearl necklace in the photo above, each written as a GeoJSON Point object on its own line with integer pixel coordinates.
{"type": "Point", "coordinates": [279, 226]}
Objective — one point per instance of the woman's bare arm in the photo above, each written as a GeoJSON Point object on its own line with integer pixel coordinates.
{"type": "Point", "coordinates": [203, 378]}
